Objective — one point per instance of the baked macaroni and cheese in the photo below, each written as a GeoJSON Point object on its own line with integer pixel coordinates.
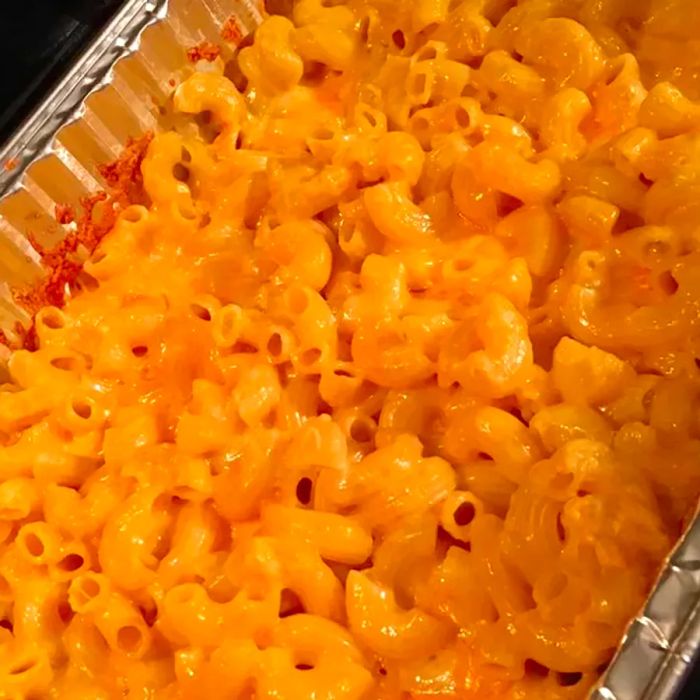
{"type": "Point", "coordinates": [383, 382]}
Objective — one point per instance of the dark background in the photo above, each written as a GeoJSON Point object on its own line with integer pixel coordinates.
{"type": "Point", "coordinates": [38, 40]}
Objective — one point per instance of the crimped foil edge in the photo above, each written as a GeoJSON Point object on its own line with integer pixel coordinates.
{"type": "Point", "coordinates": [92, 71]}
{"type": "Point", "coordinates": [662, 642]}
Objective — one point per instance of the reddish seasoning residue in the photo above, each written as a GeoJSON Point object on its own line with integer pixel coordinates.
{"type": "Point", "coordinates": [172, 82]}
{"type": "Point", "coordinates": [205, 51]}
{"type": "Point", "coordinates": [61, 262]}
{"type": "Point", "coordinates": [10, 164]}
{"type": "Point", "coordinates": [65, 214]}
{"type": "Point", "coordinates": [64, 262]}
{"type": "Point", "coordinates": [123, 176]}
{"type": "Point", "coordinates": [27, 338]}
{"type": "Point", "coordinates": [231, 31]}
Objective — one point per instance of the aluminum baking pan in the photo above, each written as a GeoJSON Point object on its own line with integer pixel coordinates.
{"type": "Point", "coordinates": [113, 92]}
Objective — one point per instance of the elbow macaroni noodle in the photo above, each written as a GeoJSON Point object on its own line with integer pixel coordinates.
{"type": "Point", "coordinates": [390, 391]}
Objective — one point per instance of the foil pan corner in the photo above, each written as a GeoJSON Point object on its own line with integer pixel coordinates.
{"type": "Point", "coordinates": [663, 641]}
{"type": "Point", "coordinates": [92, 71]}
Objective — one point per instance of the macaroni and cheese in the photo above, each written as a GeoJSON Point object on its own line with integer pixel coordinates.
{"type": "Point", "coordinates": [384, 383]}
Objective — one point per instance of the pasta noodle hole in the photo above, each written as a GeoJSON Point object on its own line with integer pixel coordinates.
{"type": "Point", "coordinates": [129, 639]}
{"type": "Point", "coordinates": [21, 667]}
{"type": "Point", "coordinates": [53, 319]}
{"type": "Point", "coordinates": [181, 172]}
{"type": "Point", "coordinates": [66, 364]}
{"type": "Point", "coordinates": [7, 625]}
{"type": "Point", "coordinates": [139, 351]}
{"type": "Point", "coordinates": [200, 312]}
{"type": "Point", "coordinates": [65, 612]}
{"type": "Point", "coordinates": [33, 545]}
{"type": "Point", "coordinates": [87, 282]}
{"type": "Point", "coordinates": [421, 124]}
{"type": "Point", "coordinates": [185, 155]}
{"type": "Point", "coordinates": [616, 70]}
{"type": "Point", "coordinates": [369, 118]}
{"type": "Point", "coordinates": [82, 409]}
{"type": "Point", "coordinates": [561, 530]}
{"type": "Point", "coordinates": [362, 430]}
{"type": "Point", "coordinates": [462, 264]}
{"type": "Point", "coordinates": [507, 204]}
{"type": "Point", "coordinates": [71, 562]}
{"type": "Point", "coordinates": [534, 669]}
{"type": "Point", "coordinates": [149, 613]}
{"type": "Point", "coordinates": [304, 490]}
{"type": "Point", "coordinates": [270, 420]}
{"type": "Point", "coordinates": [290, 603]}
{"type": "Point", "coordinates": [304, 667]}
{"type": "Point", "coordinates": [626, 221]}
{"type": "Point", "coordinates": [561, 482]}
{"type": "Point", "coordinates": [324, 134]}
{"type": "Point", "coordinates": [464, 513]}
{"type": "Point", "coordinates": [162, 547]}
{"type": "Point", "coordinates": [310, 357]}
{"type": "Point", "coordinates": [88, 589]}
{"type": "Point", "coordinates": [348, 375]}
{"type": "Point", "coordinates": [567, 679]}
{"type": "Point", "coordinates": [314, 73]}
{"type": "Point", "coordinates": [517, 413]}
{"type": "Point", "coordinates": [404, 598]}
{"type": "Point", "coordinates": [187, 212]}
{"type": "Point", "coordinates": [363, 30]}
{"type": "Point", "coordinates": [208, 129]}
{"type": "Point", "coordinates": [233, 72]}
{"type": "Point", "coordinates": [274, 345]}
{"type": "Point", "coordinates": [244, 348]}
{"type": "Point", "coordinates": [427, 53]}
{"type": "Point", "coordinates": [133, 215]}
{"type": "Point", "coordinates": [221, 591]}
{"type": "Point", "coordinates": [464, 121]}
{"type": "Point", "coordinates": [399, 39]}
{"type": "Point", "coordinates": [668, 283]}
